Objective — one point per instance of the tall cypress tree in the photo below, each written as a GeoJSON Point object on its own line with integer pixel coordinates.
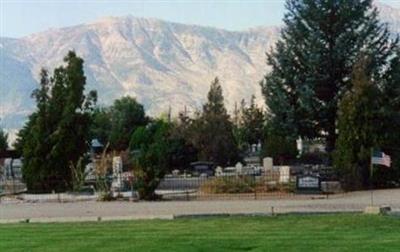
{"type": "Point", "coordinates": [359, 124]}
{"type": "Point", "coordinates": [390, 121]}
{"type": "Point", "coordinates": [313, 60]}
{"type": "Point", "coordinates": [36, 140]}
{"type": "Point", "coordinates": [70, 137]}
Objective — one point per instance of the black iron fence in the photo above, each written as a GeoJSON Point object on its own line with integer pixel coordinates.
{"type": "Point", "coordinates": [279, 182]}
{"type": "Point", "coordinates": [227, 186]}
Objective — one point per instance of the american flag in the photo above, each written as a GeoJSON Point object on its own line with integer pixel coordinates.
{"type": "Point", "coordinates": [381, 158]}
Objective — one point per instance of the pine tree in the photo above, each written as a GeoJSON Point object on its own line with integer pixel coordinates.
{"type": "Point", "coordinates": [213, 131]}
{"type": "Point", "coordinates": [313, 60]}
{"type": "Point", "coordinates": [359, 125]}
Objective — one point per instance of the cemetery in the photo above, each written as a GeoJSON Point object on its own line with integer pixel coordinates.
{"type": "Point", "coordinates": [106, 174]}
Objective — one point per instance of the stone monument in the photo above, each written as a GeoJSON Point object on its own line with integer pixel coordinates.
{"type": "Point", "coordinates": [267, 164]}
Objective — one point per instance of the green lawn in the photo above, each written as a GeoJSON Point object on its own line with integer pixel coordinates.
{"type": "Point", "coordinates": [344, 232]}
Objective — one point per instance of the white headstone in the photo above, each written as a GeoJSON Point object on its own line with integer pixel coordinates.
{"type": "Point", "coordinates": [175, 172]}
{"type": "Point", "coordinates": [219, 171]}
{"type": "Point", "coordinates": [117, 165]}
{"type": "Point", "coordinates": [239, 168]}
{"type": "Point", "coordinates": [299, 143]}
{"type": "Point", "coordinates": [117, 171]}
{"type": "Point", "coordinates": [284, 174]}
{"type": "Point", "coordinates": [268, 164]}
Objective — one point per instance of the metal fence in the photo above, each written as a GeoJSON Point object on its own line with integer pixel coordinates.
{"type": "Point", "coordinates": [280, 182]}
{"type": "Point", "coordinates": [227, 186]}
{"type": "Point", "coordinates": [11, 186]}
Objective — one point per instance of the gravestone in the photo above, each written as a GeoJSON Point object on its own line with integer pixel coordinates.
{"type": "Point", "coordinates": [117, 171]}
{"type": "Point", "coordinates": [254, 148]}
{"type": "Point", "coordinates": [219, 171]}
{"type": "Point", "coordinates": [268, 164]}
{"type": "Point", "coordinates": [175, 173]}
{"type": "Point", "coordinates": [284, 174]}
{"type": "Point", "coordinates": [239, 168]}
{"type": "Point", "coordinates": [117, 165]}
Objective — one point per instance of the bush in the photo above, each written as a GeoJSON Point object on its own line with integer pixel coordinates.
{"type": "Point", "coordinates": [151, 147]}
{"type": "Point", "coordinates": [244, 184]}
{"type": "Point", "coordinates": [233, 184]}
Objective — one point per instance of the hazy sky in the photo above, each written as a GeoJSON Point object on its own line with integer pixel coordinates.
{"type": "Point", "coordinates": [22, 17]}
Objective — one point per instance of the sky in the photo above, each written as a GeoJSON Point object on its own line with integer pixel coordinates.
{"type": "Point", "coordinates": [19, 18]}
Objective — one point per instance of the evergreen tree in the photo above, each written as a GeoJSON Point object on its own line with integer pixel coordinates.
{"type": "Point", "coordinates": [57, 133]}
{"type": "Point", "coordinates": [359, 125]}
{"type": "Point", "coordinates": [390, 131]}
{"type": "Point", "coordinates": [213, 131]}
{"type": "Point", "coordinates": [182, 151]}
{"type": "Point", "coordinates": [253, 123]}
{"type": "Point", "coordinates": [36, 143]}
{"type": "Point", "coordinates": [70, 137]}
{"type": "Point", "coordinates": [313, 60]}
{"type": "Point", "coordinates": [3, 140]}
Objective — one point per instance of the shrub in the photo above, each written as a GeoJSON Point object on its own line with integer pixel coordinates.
{"type": "Point", "coordinates": [232, 184]}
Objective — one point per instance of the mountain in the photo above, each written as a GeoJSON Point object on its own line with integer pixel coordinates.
{"type": "Point", "coordinates": [161, 63]}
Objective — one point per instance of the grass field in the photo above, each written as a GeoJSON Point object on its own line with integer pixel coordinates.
{"type": "Point", "coordinates": [343, 232]}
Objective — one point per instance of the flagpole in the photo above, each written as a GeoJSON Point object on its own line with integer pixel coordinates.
{"type": "Point", "coordinates": [370, 177]}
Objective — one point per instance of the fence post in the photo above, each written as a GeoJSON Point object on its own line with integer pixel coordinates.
{"type": "Point", "coordinates": [255, 187]}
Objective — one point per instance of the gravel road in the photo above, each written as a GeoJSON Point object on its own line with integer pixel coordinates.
{"type": "Point", "coordinates": [355, 201]}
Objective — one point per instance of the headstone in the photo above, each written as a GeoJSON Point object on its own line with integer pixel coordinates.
{"type": "Point", "coordinates": [254, 148]}
{"type": "Point", "coordinates": [284, 174]}
{"type": "Point", "coordinates": [299, 143]}
{"type": "Point", "coordinates": [268, 164]}
{"type": "Point", "coordinates": [175, 173]}
{"type": "Point", "coordinates": [239, 168]}
{"type": "Point", "coordinates": [117, 171]}
{"type": "Point", "coordinates": [219, 171]}
{"type": "Point", "coordinates": [117, 165]}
